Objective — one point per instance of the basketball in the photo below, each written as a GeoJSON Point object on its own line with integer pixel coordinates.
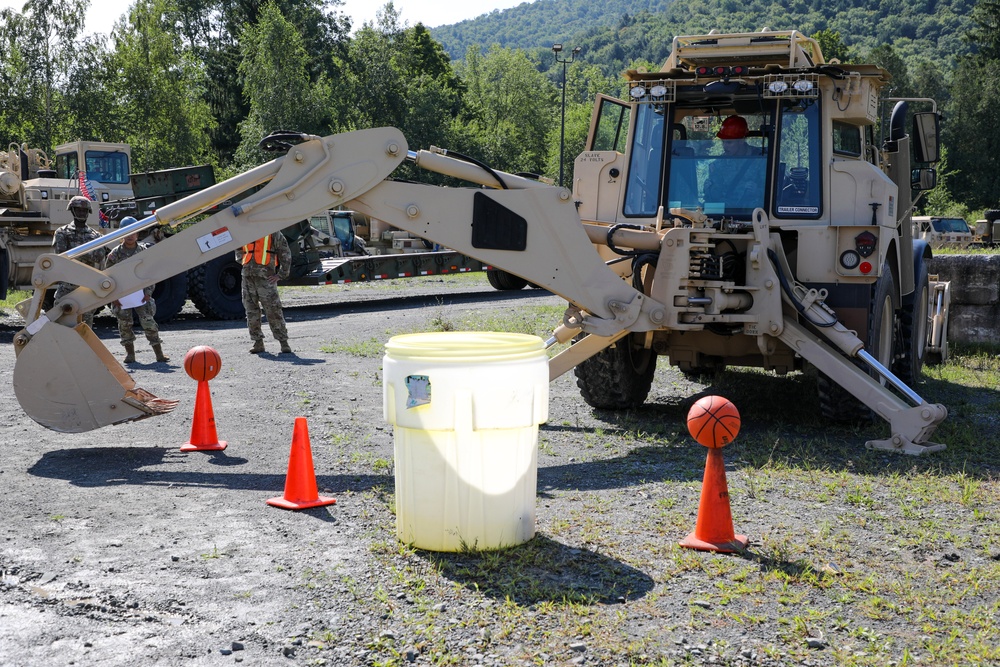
{"type": "Point", "coordinates": [713, 421]}
{"type": "Point", "coordinates": [202, 363]}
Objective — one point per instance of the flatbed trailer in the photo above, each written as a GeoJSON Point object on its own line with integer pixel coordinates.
{"type": "Point", "coordinates": [343, 270]}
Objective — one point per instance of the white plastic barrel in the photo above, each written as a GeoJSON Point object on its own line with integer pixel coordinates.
{"type": "Point", "coordinates": [465, 409]}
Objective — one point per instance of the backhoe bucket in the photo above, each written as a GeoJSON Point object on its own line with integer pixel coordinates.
{"type": "Point", "coordinates": [62, 376]}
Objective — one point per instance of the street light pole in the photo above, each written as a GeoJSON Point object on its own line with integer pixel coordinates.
{"type": "Point", "coordinates": [557, 49]}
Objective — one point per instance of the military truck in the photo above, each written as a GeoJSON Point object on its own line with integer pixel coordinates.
{"type": "Point", "coordinates": [34, 192]}
{"type": "Point", "coordinates": [942, 232]}
{"type": "Point", "coordinates": [791, 251]}
{"type": "Point", "coordinates": [987, 233]}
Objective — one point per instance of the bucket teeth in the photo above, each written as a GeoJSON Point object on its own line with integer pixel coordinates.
{"type": "Point", "coordinates": [143, 400]}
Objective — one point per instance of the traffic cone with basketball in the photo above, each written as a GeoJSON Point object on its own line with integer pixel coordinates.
{"type": "Point", "coordinates": [203, 363]}
{"type": "Point", "coordinates": [714, 422]}
{"type": "Point", "coordinates": [300, 483]}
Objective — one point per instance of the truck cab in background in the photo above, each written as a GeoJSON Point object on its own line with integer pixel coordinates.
{"type": "Point", "coordinates": [941, 232]}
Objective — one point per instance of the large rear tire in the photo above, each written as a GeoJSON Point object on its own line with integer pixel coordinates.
{"type": "Point", "coordinates": [913, 323]}
{"type": "Point", "coordinates": [835, 402]}
{"type": "Point", "coordinates": [503, 281]}
{"type": "Point", "coordinates": [170, 296]}
{"type": "Point", "coordinates": [216, 287]}
{"type": "Point", "coordinates": [618, 377]}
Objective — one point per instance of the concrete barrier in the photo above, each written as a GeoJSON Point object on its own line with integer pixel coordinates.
{"type": "Point", "coordinates": [975, 296]}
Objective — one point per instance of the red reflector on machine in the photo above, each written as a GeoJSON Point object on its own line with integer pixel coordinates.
{"type": "Point", "coordinates": [866, 267]}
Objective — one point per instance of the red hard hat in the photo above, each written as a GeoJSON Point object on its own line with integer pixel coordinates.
{"type": "Point", "coordinates": [734, 127]}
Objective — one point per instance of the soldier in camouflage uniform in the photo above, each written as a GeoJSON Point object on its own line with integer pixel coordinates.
{"type": "Point", "coordinates": [265, 262]}
{"type": "Point", "coordinates": [72, 235]}
{"type": "Point", "coordinates": [130, 246]}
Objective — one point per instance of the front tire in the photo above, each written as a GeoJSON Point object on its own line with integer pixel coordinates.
{"type": "Point", "coordinates": [618, 377]}
{"type": "Point", "coordinates": [835, 402]}
{"type": "Point", "coordinates": [216, 287]}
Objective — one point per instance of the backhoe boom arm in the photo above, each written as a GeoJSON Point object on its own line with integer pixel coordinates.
{"type": "Point", "coordinates": [66, 380]}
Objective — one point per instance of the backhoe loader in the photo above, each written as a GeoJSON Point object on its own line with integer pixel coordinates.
{"type": "Point", "coordinates": [794, 251]}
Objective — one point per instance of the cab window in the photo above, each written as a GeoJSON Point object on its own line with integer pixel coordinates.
{"type": "Point", "coordinates": [797, 182]}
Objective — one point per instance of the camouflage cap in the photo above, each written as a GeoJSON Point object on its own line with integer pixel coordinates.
{"type": "Point", "coordinates": [78, 201]}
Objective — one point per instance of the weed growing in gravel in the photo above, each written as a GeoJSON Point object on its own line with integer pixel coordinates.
{"type": "Point", "coordinates": [14, 297]}
{"type": "Point", "coordinates": [370, 348]}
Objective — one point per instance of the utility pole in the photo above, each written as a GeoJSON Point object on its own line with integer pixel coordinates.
{"type": "Point", "coordinates": [557, 49]}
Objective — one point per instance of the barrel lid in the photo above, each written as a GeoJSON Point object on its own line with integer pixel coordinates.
{"type": "Point", "coordinates": [465, 346]}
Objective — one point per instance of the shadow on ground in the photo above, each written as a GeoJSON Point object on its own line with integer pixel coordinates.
{"type": "Point", "coordinates": [117, 466]}
{"type": "Point", "coordinates": [543, 570]}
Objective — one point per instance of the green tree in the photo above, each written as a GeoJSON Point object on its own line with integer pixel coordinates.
{"type": "Point", "coordinates": [402, 78]}
{"type": "Point", "coordinates": [212, 29]}
{"type": "Point", "coordinates": [973, 114]}
{"type": "Point", "coordinates": [970, 133]}
{"type": "Point", "coordinates": [91, 98]}
{"type": "Point", "coordinates": [887, 57]}
{"type": "Point", "coordinates": [509, 110]}
{"type": "Point", "coordinates": [378, 71]}
{"type": "Point", "coordinates": [277, 86]}
{"type": "Point", "coordinates": [159, 90]}
{"type": "Point", "coordinates": [21, 108]}
{"type": "Point", "coordinates": [45, 43]}
{"type": "Point", "coordinates": [583, 83]}
{"type": "Point", "coordinates": [939, 201]}
{"type": "Point", "coordinates": [985, 32]}
{"type": "Point", "coordinates": [832, 45]}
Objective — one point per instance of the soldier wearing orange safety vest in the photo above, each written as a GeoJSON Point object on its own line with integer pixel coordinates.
{"type": "Point", "coordinates": [265, 262]}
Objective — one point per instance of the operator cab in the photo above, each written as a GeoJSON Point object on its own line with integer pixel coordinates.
{"type": "Point", "coordinates": [771, 162]}
{"type": "Point", "coordinates": [100, 162]}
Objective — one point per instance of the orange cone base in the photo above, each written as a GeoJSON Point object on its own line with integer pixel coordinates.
{"type": "Point", "coordinates": [738, 543]}
{"type": "Point", "coordinates": [209, 447]}
{"type": "Point", "coordinates": [286, 504]}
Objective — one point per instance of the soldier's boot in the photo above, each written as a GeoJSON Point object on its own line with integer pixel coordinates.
{"type": "Point", "coordinates": [129, 353]}
{"type": "Point", "coordinates": [285, 347]}
{"type": "Point", "coordinates": [158, 351]}
{"type": "Point", "coordinates": [258, 347]}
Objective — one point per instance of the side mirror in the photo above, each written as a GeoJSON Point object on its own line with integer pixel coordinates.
{"type": "Point", "coordinates": [926, 133]}
{"type": "Point", "coordinates": [923, 179]}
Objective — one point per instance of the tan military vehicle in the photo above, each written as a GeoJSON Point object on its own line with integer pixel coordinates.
{"type": "Point", "coordinates": [791, 250]}
{"type": "Point", "coordinates": [941, 232]}
{"type": "Point", "coordinates": [34, 192]}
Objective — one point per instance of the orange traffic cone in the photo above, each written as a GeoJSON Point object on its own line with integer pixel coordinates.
{"type": "Point", "coordinates": [714, 529]}
{"type": "Point", "coordinates": [300, 483]}
{"type": "Point", "coordinates": [203, 435]}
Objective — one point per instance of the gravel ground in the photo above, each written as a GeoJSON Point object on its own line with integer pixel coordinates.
{"type": "Point", "coordinates": [118, 549]}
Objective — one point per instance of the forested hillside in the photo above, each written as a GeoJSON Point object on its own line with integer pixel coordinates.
{"type": "Point", "coordinates": [193, 81]}
{"type": "Point", "coordinates": [616, 32]}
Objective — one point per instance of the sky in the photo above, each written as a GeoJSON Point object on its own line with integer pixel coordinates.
{"type": "Point", "coordinates": [432, 13]}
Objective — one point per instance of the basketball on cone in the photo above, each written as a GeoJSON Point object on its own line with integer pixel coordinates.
{"type": "Point", "coordinates": [713, 421]}
{"type": "Point", "coordinates": [202, 363]}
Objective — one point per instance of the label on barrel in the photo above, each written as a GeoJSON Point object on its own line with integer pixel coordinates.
{"type": "Point", "coordinates": [419, 388]}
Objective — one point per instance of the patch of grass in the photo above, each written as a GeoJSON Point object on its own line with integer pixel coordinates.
{"type": "Point", "coordinates": [14, 297]}
{"type": "Point", "coordinates": [889, 559]}
{"type": "Point", "coordinates": [534, 320]}
{"type": "Point", "coordinates": [370, 348]}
